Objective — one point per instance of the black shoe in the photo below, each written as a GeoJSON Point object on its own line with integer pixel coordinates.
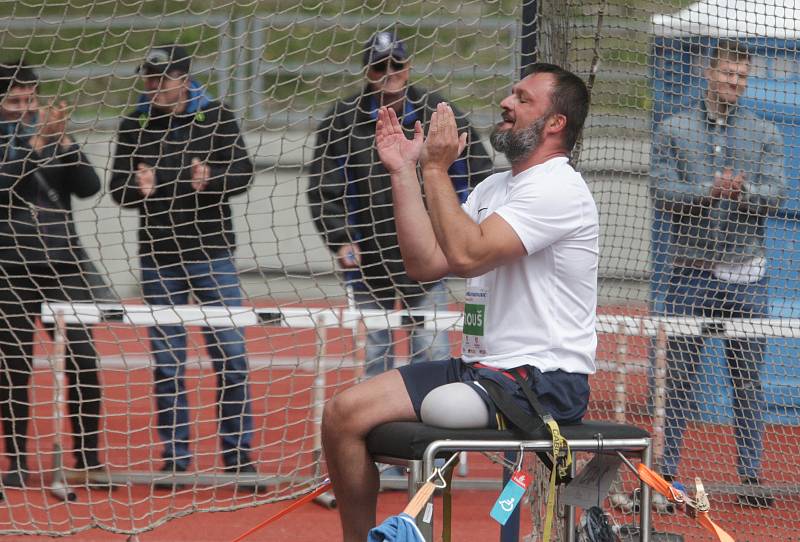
{"type": "Point", "coordinates": [245, 468]}
{"type": "Point", "coordinates": [166, 475]}
{"type": "Point", "coordinates": [87, 461]}
{"type": "Point", "coordinates": [17, 476]}
{"type": "Point", "coordinates": [754, 495]}
{"type": "Point", "coordinates": [96, 476]}
{"type": "Point", "coordinates": [249, 473]}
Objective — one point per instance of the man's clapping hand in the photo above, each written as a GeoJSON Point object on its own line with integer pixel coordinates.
{"type": "Point", "coordinates": [727, 185]}
{"type": "Point", "coordinates": [146, 179]}
{"type": "Point", "coordinates": [200, 174]}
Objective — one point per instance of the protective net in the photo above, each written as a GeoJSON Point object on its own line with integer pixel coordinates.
{"type": "Point", "coordinates": [698, 289]}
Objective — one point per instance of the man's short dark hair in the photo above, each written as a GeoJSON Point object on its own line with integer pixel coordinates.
{"type": "Point", "coordinates": [569, 97]}
{"type": "Point", "coordinates": [730, 50]}
{"type": "Point", "coordinates": [16, 74]}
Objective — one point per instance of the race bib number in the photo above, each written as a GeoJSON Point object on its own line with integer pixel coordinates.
{"type": "Point", "coordinates": [473, 319]}
{"type": "Point", "coordinates": [474, 326]}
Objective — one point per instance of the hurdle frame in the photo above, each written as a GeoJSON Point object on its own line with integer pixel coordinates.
{"type": "Point", "coordinates": [347, 317]}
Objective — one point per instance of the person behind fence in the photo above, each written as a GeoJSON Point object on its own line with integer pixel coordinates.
{"type": "Point", "coordinates": [351, 201]}
{"type": "Point", "coordinates": [179, 159]}
{"type": "Point", "coordinates": [717, 171]}
{"type": "Point", "coordinates": [42, 260]}
{"type": "Point", "coordinates": [527, 242]}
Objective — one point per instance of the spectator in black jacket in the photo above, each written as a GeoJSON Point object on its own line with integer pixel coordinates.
{"type": "Point", "coordinates": [351, 198]}
{"type": "Point", "coordinates": [179, 158]}
{"type": "Point", "coordinates": [41, 168]}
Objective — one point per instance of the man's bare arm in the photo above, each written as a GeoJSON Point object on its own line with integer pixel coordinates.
{"type": "Point", "coordinates": [470, 249]}
{"type": "Point", "coordinates": [422, 256]}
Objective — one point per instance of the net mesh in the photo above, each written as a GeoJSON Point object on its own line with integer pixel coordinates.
{"type": "Point", "coordinates": [280, 67]}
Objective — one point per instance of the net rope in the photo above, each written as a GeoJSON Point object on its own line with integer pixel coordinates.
{"type": "Point", "coordinates": [280, 67]}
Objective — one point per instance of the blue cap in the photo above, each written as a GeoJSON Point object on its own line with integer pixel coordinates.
{"type": "Point", "coordinates": [384, 45]}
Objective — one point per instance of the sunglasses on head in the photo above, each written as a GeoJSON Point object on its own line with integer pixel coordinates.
{"type": "Point", "coordinates": [382, 65]}
{"type": "Point", "coordinates": [157, 58]}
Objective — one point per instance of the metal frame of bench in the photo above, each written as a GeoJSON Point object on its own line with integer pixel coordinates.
{"type": "Point", "coordinates": [421, 466]}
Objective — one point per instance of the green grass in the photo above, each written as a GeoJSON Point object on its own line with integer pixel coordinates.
{"type": "Point", "coordinates": [307, 42]}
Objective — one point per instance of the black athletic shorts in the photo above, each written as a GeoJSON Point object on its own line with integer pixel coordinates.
{"type": "Point", "coordinates": [564, 395]}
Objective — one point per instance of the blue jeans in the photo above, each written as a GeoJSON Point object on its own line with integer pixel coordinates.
{"type": "Point", "coordinates": [213, 283]}
{"type": "Point", "coordinates": [426, 345]}
{"type": "Point", "coordinates": [698, 293]}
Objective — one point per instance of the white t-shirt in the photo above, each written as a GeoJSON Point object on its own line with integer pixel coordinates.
{"type": "Point", "coordinates": [540, 309]}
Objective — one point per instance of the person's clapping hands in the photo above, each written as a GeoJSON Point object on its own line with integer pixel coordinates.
{"type": "Point", "coordinates": [52, 126]}
{"type": "Point", "coordinates": [145, 177]}
{"type": "Point", "coordinates": [201, 173]}
{"type": "Point", "coordinates": [727, 185]}
{"type": "Point", "coordinates": [395, 150]}
{"type": "Point", "coordinates": [443, 145]}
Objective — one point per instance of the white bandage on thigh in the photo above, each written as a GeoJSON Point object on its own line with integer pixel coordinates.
{"type": "Point", "coordinates": [454, 406]}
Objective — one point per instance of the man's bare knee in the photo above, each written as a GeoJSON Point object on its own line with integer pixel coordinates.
{"type": "Point", "coordinates": [345, 413]}
{"type": "Point", "coordinates": [335, 415]}
{"type": "Point", "coordinates": [358, 410]}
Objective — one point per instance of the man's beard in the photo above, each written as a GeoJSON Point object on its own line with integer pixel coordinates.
{"type": "Point", "coordinates": [518, 145]}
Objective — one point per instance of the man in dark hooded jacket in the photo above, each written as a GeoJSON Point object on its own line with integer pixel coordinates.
{"type": "Point", "coordinates": [41, 260]}
{"type": "Point", "coordinates": [179, 158]}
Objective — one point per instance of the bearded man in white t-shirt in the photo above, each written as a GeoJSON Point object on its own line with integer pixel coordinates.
{"type": "Point", "coordinates": [526, 240]}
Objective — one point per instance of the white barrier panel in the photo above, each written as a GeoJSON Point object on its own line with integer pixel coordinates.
{"type": "Point", "coordinates": [623, 326]}
{"type": "Point", "coordinates": [349, 318]}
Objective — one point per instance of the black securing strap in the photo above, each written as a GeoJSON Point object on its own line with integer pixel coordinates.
{"type": "Point", "coordinates": [527, 426]}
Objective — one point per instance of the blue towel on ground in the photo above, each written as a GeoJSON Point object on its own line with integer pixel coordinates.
{"type": "Point", "coordinates": [401, 528]}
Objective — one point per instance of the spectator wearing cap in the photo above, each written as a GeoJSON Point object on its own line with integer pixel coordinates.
{"type": "Point", "coordinates": [179, 159]}
{"type": "Point", "coordinates": [41, 260]}
{"type": "Point", "coordinates": [351, 199]}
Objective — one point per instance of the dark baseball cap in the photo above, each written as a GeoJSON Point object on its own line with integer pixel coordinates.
{"type": "Point", "coordinates": [165, 59]}
{"type": "Point", "coordinates": [16, 74]}
{"type": "Point", "coordinates": [383, 45]}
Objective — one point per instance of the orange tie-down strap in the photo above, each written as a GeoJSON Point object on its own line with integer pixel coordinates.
{"type": "Point", "coordinates": [695, 508]}
{"type": "Point", "coordinates": [326, 485]}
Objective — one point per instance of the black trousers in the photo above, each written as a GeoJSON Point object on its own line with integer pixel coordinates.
{"type": "Point", "coordinates": [21, 295]}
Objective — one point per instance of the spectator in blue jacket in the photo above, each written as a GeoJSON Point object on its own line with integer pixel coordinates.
{"type": "Point", "coordinates": [717, 172]}
{"type": "Point", "coordinates": [180, 157]}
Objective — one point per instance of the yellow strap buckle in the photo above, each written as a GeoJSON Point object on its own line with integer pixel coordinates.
{"type": "Point", "coordinates": [562, 461]}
